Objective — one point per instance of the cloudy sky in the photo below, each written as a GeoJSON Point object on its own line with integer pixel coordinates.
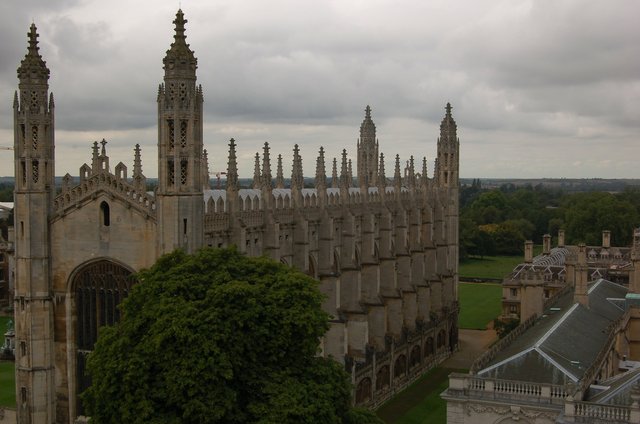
{"type": "Point", "coordinates": [546, 88]}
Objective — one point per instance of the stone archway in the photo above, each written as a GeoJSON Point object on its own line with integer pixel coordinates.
{"type": "Point", "coordinates": [97, 288]}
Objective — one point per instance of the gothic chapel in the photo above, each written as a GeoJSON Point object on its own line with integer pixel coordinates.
{"type": "Point", "coordinates": [385, 250]}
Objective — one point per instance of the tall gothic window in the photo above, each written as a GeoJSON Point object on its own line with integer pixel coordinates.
{"type": "Point", "coordinates": [105, 214]}
{"type": "Point", "coordinates": [183, 134]}
{"type": "Point", "coordinates": [35, 171]}
{"type": "Point", "coordinates": [183, 171]}
{"type": "Point", "coordinates": [99, 288]}
{"type": "Point", "coordinates": [172, 138]}
{"type": "Point", "coordinates": [171, 174]}
{"type": "Point", "coordinates": [34, 137]}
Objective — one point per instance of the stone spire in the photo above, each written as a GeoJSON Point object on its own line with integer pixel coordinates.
{"type": "Point", "coordinates": [95, 158]}
{"type": "Point", "coordinates": [411, 173]}
{"type": "Point", "coordinates": [321, 176]}
{"type": "Point", "coordinates": [139, 180]}
{"type": "Point", "coordinates": [232, 167]}
{"type": "Point", "coordinates": [279, 175]}
{"type": "Point", "coordinates": [334, 174]}
{"type": "Point", "coordinates": [350, 174]}
{"type": "Point", "coordinates": [367, 152]}
{"type": "Point", "coordinates": [344, 178]}
{"type": "Point", "coordinates": [266, 168]}
{"type": "Point", "coordinates": [448, 148]}
{"type": "Point", "coordinates": [297, 179]}
{"type": "Point", "coordinates": [33, 70]}
{"type": "Point", "coordinates": [205, 170]}
{"type": "Point", "coordinates": [180, 61]}
{"type": "Point", "coordinates": [397, 178]}
{"type": "Point", "coordinates": [382, 178]}
{"type": "Point", "coordinates": [256, 172]}
{"type": "Point", "coordinates": [425, 174]}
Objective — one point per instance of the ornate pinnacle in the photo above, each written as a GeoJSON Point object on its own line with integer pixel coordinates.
{"type": "Point", "coordinates": [266, 167]}
{"type": "Point", "coordinates": [95, 164]}
{"type": "Point", "coordinates": [279, 175]}
{"type": "Point", "coordinates": [103, 150]}
{"type": "Point", "coordinates": [344, 171]}
{"type": "Point", "coordinates": [350, 174]}
{"type": "Point", "coordinates": [137, 161]}
{"type": "Point", "coordinates": [321, 176]}
{"type": "Point", "coordinates": [297, 180]}
{"type": "Point", "coordinates": [334, 174]}
{"type": "Point", "coordinates": [180, 59]}
{"type": "Point", "coordinates": [33, 68]}
{"type": "Point", "coordinates": [256, 172]}
{"type": "Point", "coordinates": [232, 167]}
{"type": "Point", "coordinates": [397, 178]}
{"type": "Point", "coordinates": [205, 170]}
{"type": "Point", "coordinates": [382, 179]}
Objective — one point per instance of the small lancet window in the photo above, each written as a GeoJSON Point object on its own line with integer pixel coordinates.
{"type": "Point", "coordinates": [105, 214]}
{"type": "Point", "coordinates": [35, 169]}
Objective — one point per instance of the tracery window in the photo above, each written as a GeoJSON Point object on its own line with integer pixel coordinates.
{"type": "Point", "coordinates": [172, 139]}
{"type": "Point", "coordinates": [34, 171]}
{"type": "Point", "coordinates": [183, 172]}
{"type": "Point", "coordinates": [34, 137]}
{"type": "Point", "coordinates": [170, 173]}
{"type": "Point", "coordinates": [183, 134]}
{"type": "Point", "coordinates": [99, 288]}
{"type": "Point", "coordinates": [34, 101]}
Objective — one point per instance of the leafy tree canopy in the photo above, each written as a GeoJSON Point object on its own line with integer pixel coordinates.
{"type": "Point", "coordinates": [218, 337]}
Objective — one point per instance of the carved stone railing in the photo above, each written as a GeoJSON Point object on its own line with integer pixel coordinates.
{"type": "Point", "coordinates": [506, 390]}
{"type": "Point", "coordinates": [586, 412]}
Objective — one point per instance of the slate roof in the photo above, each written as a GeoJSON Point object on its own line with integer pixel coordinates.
{"type": "Point", "coordinates": [564, 342]}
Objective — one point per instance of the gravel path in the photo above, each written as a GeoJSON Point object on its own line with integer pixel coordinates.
{"type": "Point", "coordinates": [472, 344]}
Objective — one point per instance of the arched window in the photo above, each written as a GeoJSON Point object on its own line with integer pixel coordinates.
{"type": "Point", "coordinates": [105, 214]}
{"type": "Point", "coordinates": [382, 378]}
{"type": "Point", "coordinates": [363, 391]}
{"type": "Point", "coordinates": [400, 367]}
{"type": "Point", "coordinates": [428, 347]}
{"type": "Point", "coordinates": [98, 288]}
{"type": "Point", "coordinates": [415, 358]}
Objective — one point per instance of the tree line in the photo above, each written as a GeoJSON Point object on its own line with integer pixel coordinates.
{"type": "Point", "coordinates": [498, 221]}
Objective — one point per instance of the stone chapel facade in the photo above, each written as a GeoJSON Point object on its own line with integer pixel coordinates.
{"type": "Point", "coordinates": [385, 250]}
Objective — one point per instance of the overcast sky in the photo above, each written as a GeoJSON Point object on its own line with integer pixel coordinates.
{"type": "Point", "coordinates": [547, 88]}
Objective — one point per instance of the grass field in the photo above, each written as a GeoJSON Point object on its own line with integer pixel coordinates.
{"type": "Point", "coordinates": [488, 267]}
{"type": "Point", "coordinates": [7, 373]}
{"type": "Point", "coordinates": [7, 384]}
{"type": "Point", "coordinates": [479, 304]}
{"type": "Point", "coordinates": [420, 403]}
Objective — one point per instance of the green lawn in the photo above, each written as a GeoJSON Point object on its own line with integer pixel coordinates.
{"type": "Point", "coordinates": [488, 267]}
{"type": "Point", "coordinates": [7, 384]}
{"type": "Point", "coordinates": [420, 403]}
{"type": "Point", "coordinates": [7, 373]}
{"type": "Point", "coordinates": [480, 303]}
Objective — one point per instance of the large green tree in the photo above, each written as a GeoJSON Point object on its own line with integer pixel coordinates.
{"type": "Point", "coordinates": [218, 337]}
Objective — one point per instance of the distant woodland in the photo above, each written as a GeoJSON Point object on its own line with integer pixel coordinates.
{"type": "Point", "coordinates": [497, 221]}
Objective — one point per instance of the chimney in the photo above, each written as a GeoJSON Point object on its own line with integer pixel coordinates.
{"type": "Point", "coordinates": [560, 238]}
{"type": "Point", "coordinates": [546, 244]}
{"type": "Point", "coordinates": [528, 251]}
{"type": "Point", "coordinates": [581, 276]}
{"type": "Point", "coordinates": [606, 239]}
